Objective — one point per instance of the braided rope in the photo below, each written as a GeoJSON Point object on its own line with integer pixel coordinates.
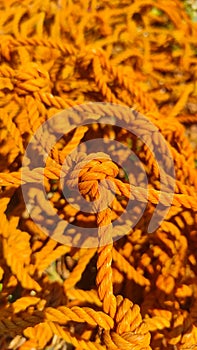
{"type": "Point", "coordinates": [136, 292]}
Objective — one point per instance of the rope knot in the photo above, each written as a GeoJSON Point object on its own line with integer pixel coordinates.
{"type": "Point", "coordinates": [89, 171]}
{"type": "Point", "coordinates": [130, 331]}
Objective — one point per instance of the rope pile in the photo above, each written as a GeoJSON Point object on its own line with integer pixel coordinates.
{"type": "Point", "coordinates": [140, 291]}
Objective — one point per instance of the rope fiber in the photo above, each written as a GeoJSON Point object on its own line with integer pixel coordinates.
{"type": "Point", "coordinates": [137, 292]}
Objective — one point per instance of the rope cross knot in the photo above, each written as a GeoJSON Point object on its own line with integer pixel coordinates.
{"type": "Point", "coordinates": [89, 172]}
{"type": "Point", "coordinates": [92, 175]}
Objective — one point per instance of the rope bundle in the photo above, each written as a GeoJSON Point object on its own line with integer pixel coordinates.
{"type": "Point", "coordinates": [136, 292]}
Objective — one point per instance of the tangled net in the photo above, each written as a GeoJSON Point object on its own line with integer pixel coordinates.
{"type": "Point", "coordinates": [139, 292]}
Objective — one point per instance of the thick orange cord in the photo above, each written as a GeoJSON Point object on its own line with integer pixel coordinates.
{"type": "Point", "coordinates": [139, 291]}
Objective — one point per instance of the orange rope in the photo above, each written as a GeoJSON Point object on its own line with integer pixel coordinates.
{"type": "Point", "coordinates": [135, 289]}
